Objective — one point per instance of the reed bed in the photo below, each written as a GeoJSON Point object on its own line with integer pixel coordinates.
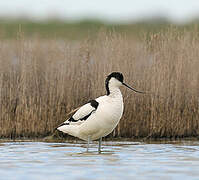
{"type": "Point", "coordinates": [42, 80]}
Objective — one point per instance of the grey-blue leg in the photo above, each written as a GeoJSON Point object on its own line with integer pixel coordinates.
{"type": "Point", "coordinates": [88, 143]}
{"type": "Point", "coordinates": [100, 143]}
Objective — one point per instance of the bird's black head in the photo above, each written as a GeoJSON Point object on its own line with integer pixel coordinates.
{"type": "Point", "coordinates": [116, 75]}
{"type": "Point", "coordinates": [116, 79]}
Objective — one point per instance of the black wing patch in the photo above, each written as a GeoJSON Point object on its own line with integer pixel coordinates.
{"type": "Point", "coordinates": [94, 104]}
{"type": "Point", "coordinates": [86, 117]}
{"type": "Point", "coordinates": [72, 120]}
{"type": "Point", "coordinates": [65, 123]}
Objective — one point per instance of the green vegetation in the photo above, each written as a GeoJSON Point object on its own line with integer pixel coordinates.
{"type": "Point", "coordinates": [82, 29]}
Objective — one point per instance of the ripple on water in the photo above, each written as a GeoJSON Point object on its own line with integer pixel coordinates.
{"type": "Point", "coordinates": [119, 160]}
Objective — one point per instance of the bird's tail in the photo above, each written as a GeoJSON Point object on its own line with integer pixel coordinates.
{"type": "Point", "coordinates": [69, 129]}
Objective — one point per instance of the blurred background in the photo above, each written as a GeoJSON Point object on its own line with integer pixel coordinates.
{"type": "Point", "coordinates": [76, 19]}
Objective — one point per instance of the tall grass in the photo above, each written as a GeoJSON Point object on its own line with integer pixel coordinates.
{"type": "Point", "coordinates": [42, 80]}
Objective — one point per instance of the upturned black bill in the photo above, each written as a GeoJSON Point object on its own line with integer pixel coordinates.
{"type": "Point", "coordinates": [133, 89]}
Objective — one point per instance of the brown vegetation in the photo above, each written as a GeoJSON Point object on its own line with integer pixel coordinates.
{"type": "Point", "coordinates": [40, 81]}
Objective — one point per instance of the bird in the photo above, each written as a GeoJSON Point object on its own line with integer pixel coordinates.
{"type": "Point", "coordinates": [98, 117]}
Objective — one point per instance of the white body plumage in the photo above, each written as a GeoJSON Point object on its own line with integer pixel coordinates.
{"type": "Point", "coordinates": [102, 120]}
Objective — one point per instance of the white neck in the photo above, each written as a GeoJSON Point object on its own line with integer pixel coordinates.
{"type": "Point", "coordinates": [114, 92]}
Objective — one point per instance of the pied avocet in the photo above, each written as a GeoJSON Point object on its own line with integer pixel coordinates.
{"type": "Point", "coordinates": [100, 116]}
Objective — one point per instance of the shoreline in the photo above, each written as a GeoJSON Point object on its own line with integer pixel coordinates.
{"type": "Point", "coordinates": [72, 140]}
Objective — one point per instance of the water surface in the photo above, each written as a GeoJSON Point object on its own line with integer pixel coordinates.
{"type": "Point", "coordinates": [119, 160]}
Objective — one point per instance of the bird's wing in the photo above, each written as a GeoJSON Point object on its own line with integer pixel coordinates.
{"type": "Point", "coordinates": [82, 113]}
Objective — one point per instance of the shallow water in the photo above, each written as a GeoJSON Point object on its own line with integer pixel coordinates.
{"type": "Point", "coordinates": [119, 160]}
